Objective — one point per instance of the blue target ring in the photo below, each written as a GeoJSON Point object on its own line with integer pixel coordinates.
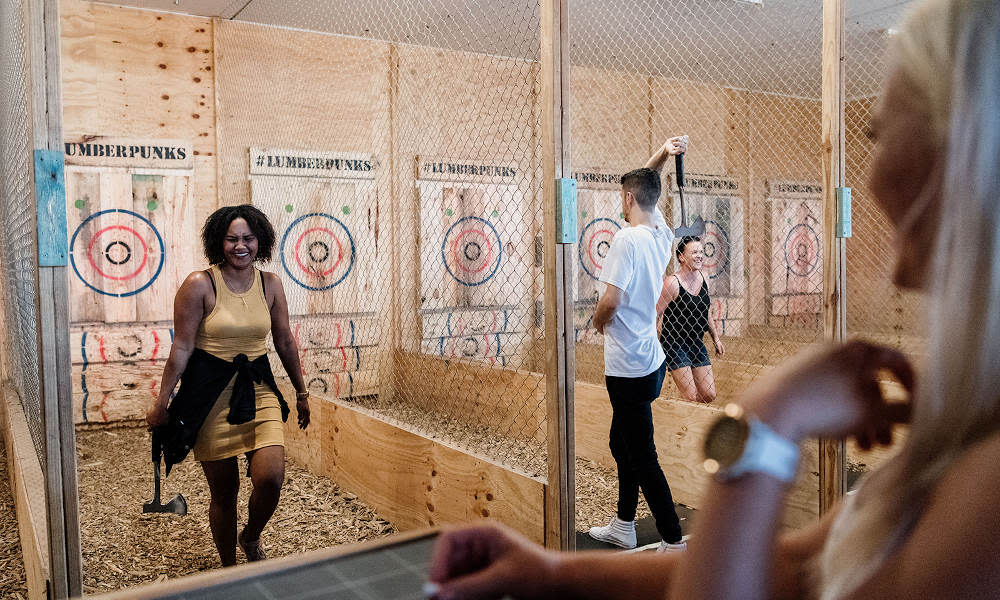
{"type": "Point", "coordinates": [472, 252]}
{"type": "Point", "coordinates": [717, 240]}
{"type": "Point", "coordinates": [802, 250]}
{"type": "Point", "coordinates": [595, 242]}
{"type": "Point", "coordinates": [73, 252]}
{"type": "Point", "coordinates": [325, 247]}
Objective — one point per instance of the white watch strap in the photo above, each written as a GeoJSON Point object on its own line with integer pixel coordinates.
{"type": "Point", "coordinates": [767, 452]}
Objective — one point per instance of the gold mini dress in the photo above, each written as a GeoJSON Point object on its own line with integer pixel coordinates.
{"type": "Point", "coordinates": [239, 323]}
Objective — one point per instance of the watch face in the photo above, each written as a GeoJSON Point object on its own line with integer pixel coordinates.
{"type": "Point", "coordinates": [725, 441]}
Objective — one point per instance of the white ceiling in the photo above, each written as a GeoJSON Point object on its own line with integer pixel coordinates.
{"type": "Point", "coordinates": [772, 47]}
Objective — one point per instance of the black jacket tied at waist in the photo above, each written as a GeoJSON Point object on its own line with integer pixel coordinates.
{"type": "Point", "coordinates": [203, 381]}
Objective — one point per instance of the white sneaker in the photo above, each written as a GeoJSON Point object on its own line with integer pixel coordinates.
{"type": "Point", "coordinates": [680, 546]}
{"type": "Point", "coordinates": [617, 532]}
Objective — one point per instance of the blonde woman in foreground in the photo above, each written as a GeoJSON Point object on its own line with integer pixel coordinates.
{"type": "Point", "coordinates": [925, 524]}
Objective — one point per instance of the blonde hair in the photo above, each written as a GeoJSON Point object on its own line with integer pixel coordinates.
{"type": "Point", "coordinates": [957, 402]}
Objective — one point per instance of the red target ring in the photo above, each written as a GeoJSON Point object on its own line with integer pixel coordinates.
{"type": "Point", "coordinates": [116, 252]}
{"type": "Point", "coordinates": [312, 246]}
{"type": "Point", "coordinates": [715, 245]}
{"type": "Point", "coordinates": [594, 244]}
{"type": "Point", "coordinates": [117, 244]}
{"type": "Point", "coordinates": [317, 251]}
{"type": "Point", "coordinates": [471, 251]}
{"type": "Point", "coordinates": [801, 250]}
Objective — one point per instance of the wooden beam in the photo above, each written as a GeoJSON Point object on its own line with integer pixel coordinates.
{"type": "Point", "coordinates": [561, 496]}
{"type": "Point", "coordinates": [832, 465]}
{"type": "Point", "coordinates": [411, 480]}
{"type": "Point", "coordinates": [52, 304]}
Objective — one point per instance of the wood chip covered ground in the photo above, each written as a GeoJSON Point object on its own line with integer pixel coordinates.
{"type": "Point", "coordinates": [123, 547]}
{"type": "Point", "coordinates": [12, 577]}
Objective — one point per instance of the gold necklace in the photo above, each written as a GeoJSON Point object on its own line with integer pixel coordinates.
{"type": "Point", "coordinates": [243, 296]}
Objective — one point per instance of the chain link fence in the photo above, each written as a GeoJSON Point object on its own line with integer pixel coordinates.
{"type": "Point", "coordinates": [18, 244]}
{"type": "Point", "coordinates": [743, 81]}
{"type": "Point", "coordinates": [402, 175]}
{"type": "Point", "coordinates": [876, 309]}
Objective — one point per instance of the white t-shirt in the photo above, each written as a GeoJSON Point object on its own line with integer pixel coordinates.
{"type": "Point", "coordinates": [635, 264]}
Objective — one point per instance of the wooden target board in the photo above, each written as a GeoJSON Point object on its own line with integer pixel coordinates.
{"type": "Point", "coordinates": [325, 250]}
{"type": "Point", "coordinates": [497, 336]}
{"type": "Point", "coordinates": [718, 200]}
{"type": "Point", "coordinates": [472, 245]}
{"type": "Point", "coordinates": [131, 233]}
{"type": "Point", "coordinates": [796, 249]}
{"type": "Point", "coordinates": [600, 217]}
{"type": "Point", "coordinates": [132, 241]}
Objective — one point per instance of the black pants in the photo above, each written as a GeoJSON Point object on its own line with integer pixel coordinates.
{"type": "Point", "coordinates": [635, 453]}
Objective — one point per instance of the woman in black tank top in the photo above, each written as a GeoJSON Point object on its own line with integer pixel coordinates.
{"type": "Point", "coordinates": [684, 303]}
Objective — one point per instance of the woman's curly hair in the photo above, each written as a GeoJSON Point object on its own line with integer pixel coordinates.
{"type": "Point", "coordinates": [217, 225]}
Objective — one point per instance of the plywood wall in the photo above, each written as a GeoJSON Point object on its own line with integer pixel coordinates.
{"type": "Point", "coordinates": [140, 74]}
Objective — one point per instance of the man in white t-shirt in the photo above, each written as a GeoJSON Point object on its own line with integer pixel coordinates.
{"type": "Point", "coordinates": [634, 363]}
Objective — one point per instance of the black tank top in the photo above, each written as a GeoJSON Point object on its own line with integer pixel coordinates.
{"type": "Point", "coordinates": [686, 318]}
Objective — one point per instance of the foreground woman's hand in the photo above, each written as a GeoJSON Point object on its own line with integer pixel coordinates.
{"type": "Point", "coordinates": [833, 391]}
{"type": "Point", "coordinates": [490, 561]}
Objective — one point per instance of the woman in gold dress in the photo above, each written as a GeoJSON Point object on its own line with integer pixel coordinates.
{"type": "Point", "coordinates": [222, 316]}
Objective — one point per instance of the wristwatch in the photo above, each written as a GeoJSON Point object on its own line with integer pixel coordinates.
{"type": "Point", "coordinates": [738, 444]}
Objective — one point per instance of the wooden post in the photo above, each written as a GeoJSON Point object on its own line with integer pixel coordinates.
{"type": "Point", "coordinates": [832, 464]}
{"type": "Point", "coordinates": [52, 304]}
{"type": "Point", "coordinates": [560, 495]}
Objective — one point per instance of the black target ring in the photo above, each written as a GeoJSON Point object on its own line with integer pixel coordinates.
{"type": "Point", "coordinates": [472, 251]}
{"type": "Point", "coordinates": [109, 247]}
{"type": "Point", "coordinates": [326, 251]}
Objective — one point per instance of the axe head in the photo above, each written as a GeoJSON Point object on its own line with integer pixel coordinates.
{"type": "Point", "coordinates": [178, 506]}
{"type": "Point", "coordinates": [696, 229]}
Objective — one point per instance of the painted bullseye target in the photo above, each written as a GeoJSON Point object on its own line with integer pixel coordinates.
{"type": "Point", "coordinates": [715, 245]}
{"type": "Point", "coordinates": [595, 242]}
{"type": "Point", "coordinates": [116, 252]}
{"type": "Point", "coordinates": [471, 251]}
{"type": "Point", "coordinates": [802, 250]}
{"type": "Point", "coordinates": [317, 251]}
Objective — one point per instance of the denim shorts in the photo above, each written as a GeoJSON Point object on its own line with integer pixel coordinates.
{"type": "Point", "coordinates": [685, 353]}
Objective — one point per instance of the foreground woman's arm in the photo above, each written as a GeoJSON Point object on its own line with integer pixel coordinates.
{"type": "Point", "coordinates": [831, 392]}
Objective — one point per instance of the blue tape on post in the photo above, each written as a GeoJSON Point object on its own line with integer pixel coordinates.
{"type": "Point", "coordinates": [50, 204]}
{"type": "Point", "coordinates": [566, 227]}
{"type": "Point", "coordinates": [843, 212]}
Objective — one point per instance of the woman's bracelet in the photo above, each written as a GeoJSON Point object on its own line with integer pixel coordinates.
{"type": "Point", "coordinates": [301, 395]}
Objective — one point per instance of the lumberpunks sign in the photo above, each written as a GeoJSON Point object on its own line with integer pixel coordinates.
{"type": "Point", "coordinates": [443, 169]}
{"type": "Point", "coordinates": [100, 151]}
{"type": "Point", "coordinates": [307, 163]}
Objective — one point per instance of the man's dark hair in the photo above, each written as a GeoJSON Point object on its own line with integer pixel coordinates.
{"type": "Point", "coordinates": [217, 225]}
{"type": "Point", "coordinates": [645, 186]}
{"type": "Point", "coordinates": [684, 242]}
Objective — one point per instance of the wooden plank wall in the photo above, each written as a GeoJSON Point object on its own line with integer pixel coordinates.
{"type": "Point", "coordinates": [409, 479]}
{"type": "Point", "coordinates": [141, 74]}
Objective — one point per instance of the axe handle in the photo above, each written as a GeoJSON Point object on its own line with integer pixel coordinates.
{"type": "Point", "coordinates": [679, 168]}
{"type": "Point", "coordinates": [156, 482]}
